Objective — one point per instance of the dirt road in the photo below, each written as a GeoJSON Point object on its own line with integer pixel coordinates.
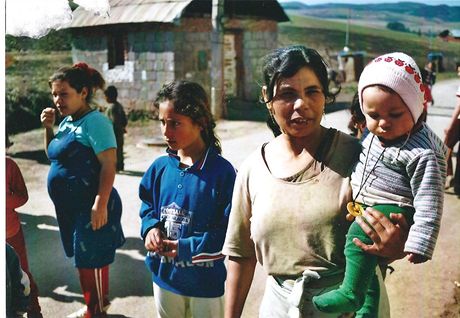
{"type": "Point", "coordinates": [426, 290]}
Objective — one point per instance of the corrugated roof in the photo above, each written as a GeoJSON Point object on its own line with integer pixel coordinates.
{"type": "Point", "coordinates": [132, 11]}
{"type": "Point", "coordinates": [166, 11]}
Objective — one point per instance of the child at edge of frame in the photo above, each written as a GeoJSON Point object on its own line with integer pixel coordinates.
{"type": "Point", "coordinates": [16, 196]}
{"type": "Point", "coordinates": [401, 169]}
{"type": "Point", "coordinates": [186, 199]}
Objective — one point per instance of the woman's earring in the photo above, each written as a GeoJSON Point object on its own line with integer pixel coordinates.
{"type": "Point", "coordinates": [272, 117]}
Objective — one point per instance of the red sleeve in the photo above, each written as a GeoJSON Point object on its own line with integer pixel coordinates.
{"type": "Point", "coordinates": [16, 191]}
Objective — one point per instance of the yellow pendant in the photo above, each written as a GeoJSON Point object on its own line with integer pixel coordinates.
{"type": "Point", "coordinates": [355, 209]}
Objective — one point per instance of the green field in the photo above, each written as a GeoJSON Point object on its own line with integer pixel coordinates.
{"type": "Point", "coordinates": [330, 35]}
{"type": "Point", "coordinates": [31, 70]}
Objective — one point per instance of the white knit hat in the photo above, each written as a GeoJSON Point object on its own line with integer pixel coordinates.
{"type": "Point", "coordinates": [399, 72]}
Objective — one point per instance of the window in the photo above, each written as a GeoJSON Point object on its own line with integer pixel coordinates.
{"type": "Point", "coordinates": [116, 48]}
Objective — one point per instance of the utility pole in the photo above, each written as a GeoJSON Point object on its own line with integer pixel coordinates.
{"type": "Point", "coordinates": [346, 48]}
{"type": "Point", "coordinates": [217, 65]}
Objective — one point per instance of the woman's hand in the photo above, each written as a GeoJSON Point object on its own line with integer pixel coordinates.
{"type": "Point", "coordinates": [154, 240]}
{"type": "Point", "coordinates": [48, 117]}
{"type": "Point", "coordinates": [98, 215]}
{"type": "Point", "coordinates": [389, 238]}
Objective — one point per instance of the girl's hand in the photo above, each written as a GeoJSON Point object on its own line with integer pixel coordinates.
{"type": "Point", "coordinates": [170, 248]}
{"type": "Point", "coordinates": [98, 216]}
{"type": "Point", "coordinates": [154, 240]}
{"type": "Point", "coordinates": [416, 258]}
{"type": "Point", "coordinates": [48, 117]}
{"type": "Point", "coordinates": [389, 238]}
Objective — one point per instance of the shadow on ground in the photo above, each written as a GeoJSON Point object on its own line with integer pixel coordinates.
{"type": "Point", "coordinates": [56, 276]}
{"type": "Point", "coordinates": [37, 155]}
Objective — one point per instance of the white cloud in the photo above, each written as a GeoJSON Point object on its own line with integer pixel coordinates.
{"type": "Point", "coordinates": [34, 18]}
{"type": "Point", "coordinates": [100, 7]}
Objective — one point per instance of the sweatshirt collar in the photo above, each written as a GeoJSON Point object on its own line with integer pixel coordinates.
{"type": "Point", "coordinates": [199, 165]}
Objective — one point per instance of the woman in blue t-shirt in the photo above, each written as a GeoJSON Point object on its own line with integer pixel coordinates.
{"type": "Point", "coordinates": [80, 181]}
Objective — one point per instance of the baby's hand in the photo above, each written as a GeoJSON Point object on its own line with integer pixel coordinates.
{"type": "Point", "coordinates": [350, 217]}
{"type": "Point", "coordinates": [416, 258]}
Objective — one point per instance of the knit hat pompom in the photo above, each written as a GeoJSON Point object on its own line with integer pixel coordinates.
{"type": "Point", "coordinates": [399, 72]}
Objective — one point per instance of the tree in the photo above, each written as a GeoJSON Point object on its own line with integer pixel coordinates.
{"type": "Point", "coordinates": [397, 26]}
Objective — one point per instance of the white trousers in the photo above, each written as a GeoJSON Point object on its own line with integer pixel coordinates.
{"type": "Point", "coordinates": [275, 302]}
{"type": "Point", "coordinates": [171, 305]}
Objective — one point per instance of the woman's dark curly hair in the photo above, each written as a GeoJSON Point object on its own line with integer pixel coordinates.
{"type": "Point", "coordinates": [191, 100]}
{"type": "Point", "coordinates": [286, 62]}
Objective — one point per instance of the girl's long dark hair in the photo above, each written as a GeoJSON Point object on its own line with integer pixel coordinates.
{"type": "Point", "coordinates": [191, 100]}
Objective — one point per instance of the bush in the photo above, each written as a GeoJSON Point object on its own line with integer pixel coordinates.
{"type": "Point", "coordinates": [397, 26]}
{"type": "Point", "coordinates": [23, 109]}
{"type": "Point", "coordinates": [54, 41]}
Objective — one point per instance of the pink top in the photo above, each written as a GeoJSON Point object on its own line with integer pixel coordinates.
{"type": "Point", "coordinates": [16, 196]}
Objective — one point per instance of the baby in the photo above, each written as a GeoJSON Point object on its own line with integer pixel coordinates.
{"type": "Point", "coordinates": [401, 169]}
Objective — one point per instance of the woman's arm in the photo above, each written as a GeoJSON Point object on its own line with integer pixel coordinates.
{"type": "Point", "coordinates": [48, 117]}
{"type": "Point", "coordinates": [388, 238]}
{"type": "Point", "coordinates": [240, 273]}
{"type": "Point", "coordinates": [452, 129]}
{"type": "Point", "coordinates": [108, 160]}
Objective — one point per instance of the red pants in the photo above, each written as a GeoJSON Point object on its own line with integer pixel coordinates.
{"type": "Point", "coordinates": [18, 243]}
{"type": "Point", "coordinates": [95, 286]}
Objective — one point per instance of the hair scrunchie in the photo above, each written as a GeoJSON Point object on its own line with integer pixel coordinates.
{"type": "Point", "coordinates": [85, 67]}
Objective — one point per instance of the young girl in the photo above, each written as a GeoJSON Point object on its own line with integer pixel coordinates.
{"type": "Point", "coordinates": [186, 198]}
{"type": "Point", "coordinates": [401, 170]}
{"type": "Point", "coordinates": [80, 180]}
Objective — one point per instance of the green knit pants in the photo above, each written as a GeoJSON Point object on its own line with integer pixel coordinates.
{"type": "Point", "coordinates": [360, 287]}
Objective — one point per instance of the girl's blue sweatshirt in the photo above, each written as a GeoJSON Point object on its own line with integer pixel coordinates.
{"type": "Point", "coordinates": [193, 206]}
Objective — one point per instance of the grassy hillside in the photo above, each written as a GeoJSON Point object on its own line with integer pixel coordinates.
{"type": "Point", "coordinates": [443, 13]}
{"type": "Point", "coordinates": [330, 35]}
{"type": "Point", "coordinates": [31, 69]}
{"type": "Point", "coordinates": [27, 91]}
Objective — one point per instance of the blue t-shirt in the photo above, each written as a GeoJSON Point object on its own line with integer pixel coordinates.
{"type": "Point", "coordinates": [93, 130]}
{"type": "Point", "coordinates": [194, 205]}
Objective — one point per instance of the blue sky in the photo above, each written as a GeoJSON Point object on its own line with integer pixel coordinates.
{"type": "Point", "coordinates": [431, 2]}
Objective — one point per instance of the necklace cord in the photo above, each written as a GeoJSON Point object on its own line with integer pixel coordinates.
{"type": "Point", "coordinates": [364, 179]}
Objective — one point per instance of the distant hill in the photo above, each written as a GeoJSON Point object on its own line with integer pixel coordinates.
{"type": "Point", "coordinates": [440, 13]}
{"type": "Point", "coordinates": [329, 35]}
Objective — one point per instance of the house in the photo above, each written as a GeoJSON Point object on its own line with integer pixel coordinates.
{"type": "Point", "coordinates": [145, 43]}
{"type": "Point", "coordinates": [450, 35]}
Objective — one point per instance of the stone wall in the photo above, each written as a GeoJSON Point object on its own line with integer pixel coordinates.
{"type": "Point", "coordinates": [256, 46]}
{"type": "Point", "coordinates": [159, 53]}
